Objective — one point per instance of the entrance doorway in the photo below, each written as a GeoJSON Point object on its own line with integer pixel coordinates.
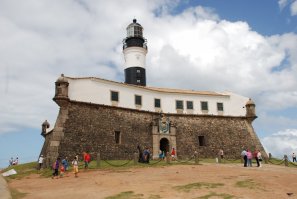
{"type": "Point", "coordinates": [164, 145]}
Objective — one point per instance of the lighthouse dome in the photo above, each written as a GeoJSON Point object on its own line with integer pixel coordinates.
{"type": "Point", "coordinates": [134, 29]}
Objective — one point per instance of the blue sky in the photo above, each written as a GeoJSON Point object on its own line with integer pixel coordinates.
{"type": "Point", "coordinates": [247, 47]}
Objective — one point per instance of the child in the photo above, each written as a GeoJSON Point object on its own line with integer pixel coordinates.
{"type": "Point", "coordinates": [62, 170]}
{"type": "Point", "coordinates": [75, 166]}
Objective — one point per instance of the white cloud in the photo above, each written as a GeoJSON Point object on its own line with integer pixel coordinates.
{"type": "Point", "coordinates": [282, 3]}
{"type": "Point", "coordinates": [293, 8]}
{"type": "Point", "coordinates": [281, 143]}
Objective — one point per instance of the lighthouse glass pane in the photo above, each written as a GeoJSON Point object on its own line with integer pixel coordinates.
{"type": "Point", "coordinates": [137, 31]}
{"type": "Point", "coordinates": [130, 31]}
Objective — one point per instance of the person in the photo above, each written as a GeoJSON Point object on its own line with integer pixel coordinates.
{"type": "Point", "coordinates": [244, 156]}
{"type": "Point", "coordinates": [294, 157]}
{"type": "Point", "coordinates": [62, 171]}
{"type": "Point", "coordinates": [173, 153]}
{"type": "Point", "coordinates": [140, 156]}
{"type": "Point", "coordinates": [11, 161]}
{"type": "Point", "coordinates": [163, 155]}
{"type": "Point", "coordinates": [249, 158]}
{"type": "Point", "coordinates": [75, 166]}
{"type": "Point", "coordinates": [56, 168]}
{"type": "Point", "coordinates": [259, 155]}
{"type": "Point", "coordinates": [16, 161]}
{"type": "Point", "coordinates": [40, 161]}
{"type": "Point", "coordinates": [221, 153]}
{"type": "Point", "coordinates": [255, 155]}
{"type": "Point", "coordinates": [65, 163]}
{"type": "Point", "coordinates": [87, 159]}
{"type": "Point", "coordinates": [146, 155]}
{"type": "Point", "coordinates": [160, 154]}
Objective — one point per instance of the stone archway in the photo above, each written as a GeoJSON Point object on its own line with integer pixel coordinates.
{"type": "Point", "coordinates": [164, 145]}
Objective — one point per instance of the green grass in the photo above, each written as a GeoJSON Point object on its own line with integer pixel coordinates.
{"type": "Point", "coordinates": [198, 185]}
{"type": "Point", "coordinates": [216, 195]}
{"type": "Point", "coordinates": [249, 183]}
{"type": "Point", "coordinates": [126, 195]}
{"type": "Point", "coordinates": [22, 170]}
{"type": "Point", "coordinates": [15, 194]}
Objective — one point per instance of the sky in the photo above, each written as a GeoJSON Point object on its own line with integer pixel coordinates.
{"type": "Point", "coordinates": [248, 47]}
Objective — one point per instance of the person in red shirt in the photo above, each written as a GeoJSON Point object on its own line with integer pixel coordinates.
{"type": "Point", "coordinates": [87, 159]}
{"type": "Point", "coordinates": [173, 153]}
{"type": "Point", "coordinates": [256, 157]}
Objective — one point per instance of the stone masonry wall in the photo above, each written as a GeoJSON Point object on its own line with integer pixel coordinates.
{"type": "Point", "coordinates": [91, 127]}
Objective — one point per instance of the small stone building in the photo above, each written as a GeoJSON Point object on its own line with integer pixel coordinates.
{"type": "Point", "coordinates": [113, 118]}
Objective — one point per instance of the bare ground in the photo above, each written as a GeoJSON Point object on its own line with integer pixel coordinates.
{"type": "Point", "coordinates": [180, 181]}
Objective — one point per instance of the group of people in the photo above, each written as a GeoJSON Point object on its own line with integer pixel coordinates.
{"type": "Point", "coordinates": [248, 155]}
{"type": "Point", "coordinates": [60, 166]}
{"type": "Point", "coordinates": [145, 155]}
{"type": "Point", "coordinates": [172, 154]}
{"type": "Point", "coordinates": [13, 161]}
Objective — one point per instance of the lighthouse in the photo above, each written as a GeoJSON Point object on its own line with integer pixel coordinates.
{"type": "Point", "coordinates": [135, 50]}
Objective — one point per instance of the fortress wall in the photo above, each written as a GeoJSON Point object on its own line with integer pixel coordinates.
{"type": "Point", "coordinates": [91, 127]}
{"type": "Point", "coordinates": [227, 133]}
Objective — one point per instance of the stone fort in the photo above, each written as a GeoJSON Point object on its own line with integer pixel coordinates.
{"type": "Point", "coordinates": [113, 118]}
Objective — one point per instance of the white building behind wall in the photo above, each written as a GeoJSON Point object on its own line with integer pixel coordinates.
{"type": "Point", "coordinates": [101, 91]}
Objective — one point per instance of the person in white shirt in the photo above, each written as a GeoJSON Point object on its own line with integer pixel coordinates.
{"type": "Point", "coordinates": [40, 161]}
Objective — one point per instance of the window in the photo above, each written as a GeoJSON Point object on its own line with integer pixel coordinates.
{"type": "Point", "coordinates": [117, 137]}
{"type": "Point", "coordinates": [179, 104]}
{"type": "Point", "coordinates": [204, 106]}
{"type": "Point", "coordinates": [220, 106]}
{"type": "Point", "coordinates": [137, 71]}
{"type": "Point", "coordinates": [201, 140]}
{"type": "Point", "coordinates": [114, 96]}
{"type": "Point", "coordinates": [189, 105]}
{"type": "Point", "coordinates": [137, 99]}
{"type": "Point", "coordinates": [157, 103]}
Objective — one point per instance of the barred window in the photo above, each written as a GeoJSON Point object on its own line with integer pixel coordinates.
{"type": "Point", "coordinates": [204, 106]}
{"type": "Point", "coordinates": [179, 104]}
{"type": "Point", "coordinates": [157, 103]}
{"type": "Point", "coordinates": [138, 100]}
{"type": "Point", "coordinates": [189, 104]}
{"type": "Point", "coordinates": [114, 96]}
{"type": "Point", "coordinates": [220, 106]}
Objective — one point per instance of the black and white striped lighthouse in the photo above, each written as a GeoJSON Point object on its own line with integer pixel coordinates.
{"type": "Point", "coordinates": [135, 49]}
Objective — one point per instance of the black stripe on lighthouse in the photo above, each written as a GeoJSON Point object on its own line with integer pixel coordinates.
{"type": "Point", "coordinates": [135, 75]}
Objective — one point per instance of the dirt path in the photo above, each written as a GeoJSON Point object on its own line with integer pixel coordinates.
{"type": "Point", "coordinates": [219, 181]}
